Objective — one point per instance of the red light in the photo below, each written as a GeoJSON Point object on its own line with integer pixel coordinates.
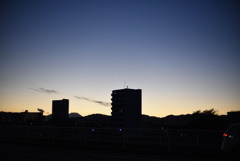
{"type": "Point", "coordinates": [225, 134]}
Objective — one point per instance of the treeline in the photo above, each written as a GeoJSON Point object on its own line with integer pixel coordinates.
{"type": "Point", "coordinates": [207, 119]}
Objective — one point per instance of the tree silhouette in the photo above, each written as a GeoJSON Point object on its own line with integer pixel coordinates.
{"type": "Point", "coordinates": [207, 119]}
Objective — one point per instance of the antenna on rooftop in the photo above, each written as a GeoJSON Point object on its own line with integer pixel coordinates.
{"type": "Point", "coordinates": [125, 86]}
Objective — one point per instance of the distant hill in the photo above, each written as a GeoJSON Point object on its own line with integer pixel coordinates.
{"type": "Point", "coordinates": [168, 121]}
{"type": "Point", "coordinates": [71, 115]}
{"type": "Point", "coordinates": [95, 120]}
{"type": "Point", "coordinates": [150, 118]}
{"type": "Point", "coordinates": [152, 122]}
{"type": "Point", "coordinates": [177, 120]}
{"type": "Point", "coordinates": [96, 117]}
{"type": "Point", "coordinates": [74, 114]}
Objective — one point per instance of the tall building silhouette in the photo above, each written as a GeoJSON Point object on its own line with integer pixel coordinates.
{"type": "Point", "coordinates": [126, 108]}
{"type": "Point", "coordinates": [60, 110]}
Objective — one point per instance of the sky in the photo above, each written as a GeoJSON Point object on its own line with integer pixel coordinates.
{"type": "Point", "coordinates": [183, 54]}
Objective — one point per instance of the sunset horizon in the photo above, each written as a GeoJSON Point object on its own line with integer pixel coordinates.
{"type": "Point", "coordinates": [100, 103]}
{"type": "Point", "coordinates": [184, 55]}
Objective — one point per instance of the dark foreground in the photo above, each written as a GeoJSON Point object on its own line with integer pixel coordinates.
{"type": "Point", "coordinates": [87, 144]}
{"type": "Point", "coordinates": [30, 152]}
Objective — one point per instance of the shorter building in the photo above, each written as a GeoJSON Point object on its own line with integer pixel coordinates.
{"type": "Point", "coordinates": [21, 118]}
{"type": "Point", "coordinates": [60, 111]}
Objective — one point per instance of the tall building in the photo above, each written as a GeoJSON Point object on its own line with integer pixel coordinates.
{"type": "Point", "coordinates": [60, 110]}
{"type": "Point", "coordinates": [126, 108]}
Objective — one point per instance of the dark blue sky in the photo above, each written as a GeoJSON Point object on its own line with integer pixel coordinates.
{"type": "Point", "coordinates": [184, 54]}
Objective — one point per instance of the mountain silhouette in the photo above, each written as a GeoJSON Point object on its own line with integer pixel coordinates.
{"type": "Point", "coordinates": [74, 114]}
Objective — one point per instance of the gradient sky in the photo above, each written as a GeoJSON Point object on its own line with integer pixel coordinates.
{"type": "Point", "coordinates": [183, 54]}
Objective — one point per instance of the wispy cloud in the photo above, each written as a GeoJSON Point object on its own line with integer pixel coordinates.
{"type": "Point", "coordinates": [43, 90]}
{"type": "Point", "coordinates": [95, 101]}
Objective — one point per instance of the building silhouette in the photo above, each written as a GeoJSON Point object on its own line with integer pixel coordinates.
{"type": "Point", "coordinates": [126, 108]}
{"type": "Point", "coordinates": [22, 118]}
{"type": "Point", "coordinates": [60, 111]}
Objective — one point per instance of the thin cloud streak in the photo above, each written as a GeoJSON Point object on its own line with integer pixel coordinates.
{"type": "Point", "coordinates": [95, 101]}
{"type": "Point", "coordinates": [43, 90]}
